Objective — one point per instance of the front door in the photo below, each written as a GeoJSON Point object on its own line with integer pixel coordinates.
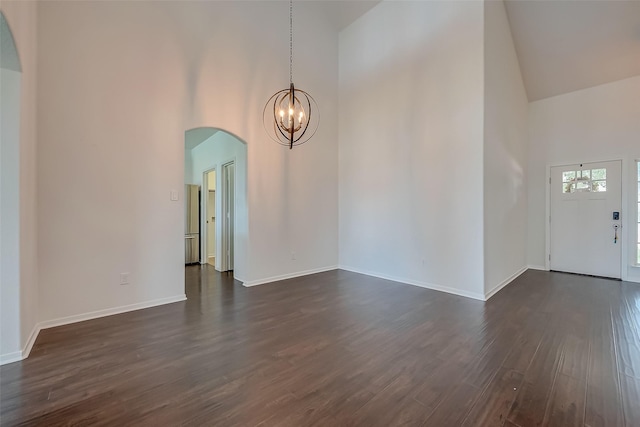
{"type": "Point", "coordinates": [585, 234]}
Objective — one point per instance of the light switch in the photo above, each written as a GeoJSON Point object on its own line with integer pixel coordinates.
{"type": "Point", "coordinates": [174, 195]}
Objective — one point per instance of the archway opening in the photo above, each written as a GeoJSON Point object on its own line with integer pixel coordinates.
{"type": "Point", "coordinates": [216, 205]}
{"type": "Point", "coordinates": [10, 90]}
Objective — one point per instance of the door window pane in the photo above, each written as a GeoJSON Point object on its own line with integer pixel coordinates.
{"type": "Point", "coordinates": [598, 186]}
{"type": "Point", "coordinates": [583, 186]}
{"type": "Point", "coordinates": [569, 176]}
{"type": "Point", "coordinates": [589, 180]}
{"type": "Point", "coordinates": [599, 174]}
{"type": "Point", "coordinates": [568, 187]}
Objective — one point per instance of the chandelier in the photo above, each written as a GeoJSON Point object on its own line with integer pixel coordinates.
{"type": "Point", "coordinates": [291, 116]}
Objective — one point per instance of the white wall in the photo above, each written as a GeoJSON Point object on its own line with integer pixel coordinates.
{"type": "Point", "coordinates": [115, 101]}
{"type": "Point", "coordinates": [213, 153]}
{"type": "Point", "coordinates": [505, 150]}
{"type": "Point", "coordinates": [411, 144]}
{"type": "Point", "coordinates": [599, 123]}
{"type": "Point", "coordinates": [10, 340]}
{"type": "Point", "coordinates": [22, 19]}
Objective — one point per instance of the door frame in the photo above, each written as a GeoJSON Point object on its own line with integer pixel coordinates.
{"type": "Point", "coordinates": [624, 206]}
{"type": "Point", "coordinates": [224, 235]}
{"type": "Point", "coordinates": [204, 213]}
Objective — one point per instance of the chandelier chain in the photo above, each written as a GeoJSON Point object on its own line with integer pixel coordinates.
{"type": "Point", "coordinates": [290, 41]}
{"type": "Point", "coordinates": [291, 116]}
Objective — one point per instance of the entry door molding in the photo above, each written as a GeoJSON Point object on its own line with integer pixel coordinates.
{"type": "Point", "coordinates": [586, 244]}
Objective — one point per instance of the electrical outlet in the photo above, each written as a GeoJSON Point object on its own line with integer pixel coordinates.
{"type": "Point", "coordinates": [124, 278]}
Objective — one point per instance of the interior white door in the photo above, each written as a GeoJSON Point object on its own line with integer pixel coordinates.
{"type": "Point", "coordinates": [583, 233]}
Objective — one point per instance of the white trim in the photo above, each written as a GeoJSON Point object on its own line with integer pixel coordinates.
{"type": "Point", "coordinates": [223, 237]}
{"type": "Point", "coordinates": [537, 267]}
{"type": "Point", "coordinates": [634, 208]}
{"type": "Point", "coordinates": [16, 356]}
{"type": "Point", "coordinates": [21, 355]}
{"type": "Point", "coordinates": [110, 311]}
{"type": "Point", "coordinates": [624, 224]}
{"type": "Point", "coordinates": [547, 220]}
{"type": "Point", "coordinates": [559, 164]}
{"type": "Point", "coordinates": [447, 289]}
{"type": "Point", "coordinates": [31, 341]}
{"type": "Point", "coordinates": [504, 283]}
{"type": "Point", "coordinates": [204, 214]}
{"type": "Point", "coordinates": [633, 279]}
{"type": "Point", "coordinates": [288, 276]}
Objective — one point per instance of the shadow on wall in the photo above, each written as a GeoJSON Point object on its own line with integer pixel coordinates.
{"type": "Point", "coordinates": [206, 149]}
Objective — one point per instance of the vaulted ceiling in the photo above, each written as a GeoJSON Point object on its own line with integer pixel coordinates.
{"type": "Point", "coordinates": [562, 45]}
{"type": "Point", "coordinates": [565, 46]}
{"type": "Point", "coordinates": [342, 13]}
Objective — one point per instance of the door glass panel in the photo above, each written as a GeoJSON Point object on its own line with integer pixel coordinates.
{"type": "Point", "coordinates": [599, 174]}
{"type": "Point", "coordinates": [585, 181]}
{"type": "Point", "coordinates": [599, 186]}
{"type": "Point", "coordinates": [583, 186]}
{"type": "Point", "coordinates": [568, 187]}
{"type": "Point", "coordinates": [568, 176]}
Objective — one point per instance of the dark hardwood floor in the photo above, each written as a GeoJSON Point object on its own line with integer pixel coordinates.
{"type": "Point", "coordinates": [342, 349]}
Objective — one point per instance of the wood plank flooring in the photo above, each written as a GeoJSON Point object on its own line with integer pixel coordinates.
{"type": "Point", "coordinates": [343, 349]}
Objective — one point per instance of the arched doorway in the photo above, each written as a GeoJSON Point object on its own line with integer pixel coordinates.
{"type": "Point", "coordinates": [216, 158]}
{"type": "Point", "coordinates": [10, 87]}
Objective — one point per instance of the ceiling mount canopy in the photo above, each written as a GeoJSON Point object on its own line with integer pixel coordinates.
{"type": "Point", "coordinates": [291, 116]}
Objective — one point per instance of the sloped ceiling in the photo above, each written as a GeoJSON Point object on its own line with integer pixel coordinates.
{"type": "Point", "coordinates": [195, 137]}
{"type": "Point", "coordinates": [565, 46]}
{"type": "Point", "coordinates": [9, 59]}
{"type": "Point", "coordinates": [341, 13]}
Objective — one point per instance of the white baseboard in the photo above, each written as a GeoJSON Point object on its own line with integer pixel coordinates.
{"type": "Point", "coordinates": [505, 282]}
{"type": "Point", "coordinates": [110, 311]}
{"type": "Point", "coordinates": [16, 356]}
{"type": "Point", "coordinates": [20, 355]}
{"type": "Point", "coordinates": [447, 289]}
{"type": "Point", "coordinates": [537, 267]}
{"type": "Point", "coordinates": [288, 276]}
{"type": "Point", "coordinates": [31, 341]}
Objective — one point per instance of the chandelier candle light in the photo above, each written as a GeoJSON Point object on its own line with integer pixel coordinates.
{"type": "Point", "coordinates": [291, 116]}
